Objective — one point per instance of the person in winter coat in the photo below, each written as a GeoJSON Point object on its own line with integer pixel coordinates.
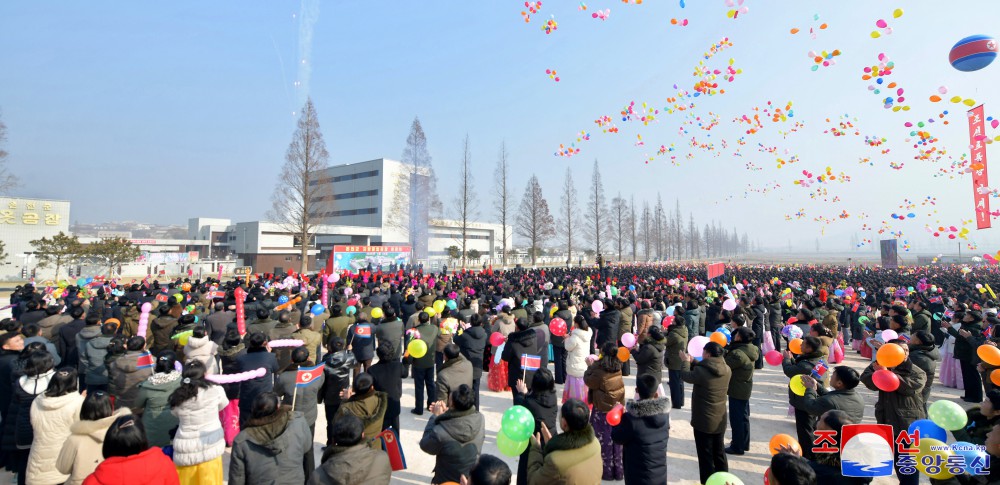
{"type": "Point", "coordinates": [648, 354]}
{"type": "Point", "coordinates": [11, 345]}
{"type": "Point", "coordinates": [608, 324]}
{"type": "Point", "coordinates": [388, 375]}
{"type": "Point", "coordinates": [31, 334]}
{"type": "Point", "coordinates": [81, 452]}
{"type": "Point", "coordinates": [644, 320]}
{"type": "Point", "coordinates": [570, 458]}
{"type": "Point", "coordinates": [741, 357]}
{"type": "Point", "coordinates": [926, 356]}
{"type": "Point", "coordinates": [263, 323]}
{"type": "Point", "coordinates": [542, 403]}
{"type": "Point", "coordinates": [129, 459]}
{"type": "Point", "coordinates": [559, 343]}
{"type": "Point", "coordinates": [455, 371]}
{"type": "Point", "coordinates": [152, 401]}
{"type": "Point", "coordinates": [472, 344]}
{"type": "Point", "coordinates": [710, 379]}
{"type": "Point", "coordinates": [607, 390]}
{"type": "Point", "coordinates": [577, 349]}
{"type": "Point", "coordinates": [967, 340]}
{"type": "Point", "coordinates": [921, 316]}
{"type": "Point", "coordinates": [125, 373]}
{"type": "Point", "coordinates": [775, 322]}
{"type": "Point", "coordinates": [201, 347]}
{"type": "Point", "coordinates": [803, 364]}
{"type": "Point", "coordinates": [981, 420]}
{"type": "Point", "coordinates": [899, 408]}
{"type": "Point", "coordinates": [276, 445]}
{"type": "Point", "coordinates": [677, 340]}
{"type": "Point", "coordinates": [30, 382]}
{"type": "Point", "coordinates": [199, 442]}
{"type": "Point", "coordinates": [257, 357]}
{"type": "Point", "coordinates": [423, 367]}
{"type": "Point", "coordinates": [522, 342]}
{"type": "Point", "coordinates": [349, 460]}
{"type": "Point", "coordinates": [643, 434]}
{"type": "Point", "coordinates": [454, 435]}
{"type": "Point", "coordinates": [92, 344]}
{"type": "Point", "coordinates": [312, 339]}
{"type": "Point", "coordinates": [369, 405]}
{"type": "Point", "coordinates": [844, 380]}
{"type": "Point", "coordinates": [338, 364]}
{"type": "Point", "coordinates": [163, 327]}
{"type": "Point", "coordinates": [691, 317]}
{"type": "Point", "coordinates": [52, 414]}
{"type": "Point", "coordinates": [305, 398]}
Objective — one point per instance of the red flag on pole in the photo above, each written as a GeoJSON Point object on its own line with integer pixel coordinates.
{"type": "Point", "coordinates": [980, 178]}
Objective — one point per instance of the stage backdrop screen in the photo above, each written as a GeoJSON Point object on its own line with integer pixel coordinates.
{"type": "Point", "coordinates": [356, 258]}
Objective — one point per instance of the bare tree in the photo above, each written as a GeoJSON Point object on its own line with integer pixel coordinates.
{"type": "Point", "coordinates": [568, 213]}
{"type": "Point", "coordinates": [646, 232]}
{"type": "Point", "coordinates": [534, 221]}
{"type": "Point", "coordinates": [619, 220]}
{"type": "Point", "coordinates": [632, 227]}
{"type": "Point", "coordinates": [661, 224]}
{"type": "Point", "coordinates": [7, 179]}
{"type": "Point", "coordinates": [415, 200]}
{"type": "Point", "coordinates": [597, 212]}
{"type": "Point", "coordinates": [679, 229]}
{"type": "Point", "coordinates": [466, 204]}
{"type": "Point", "coordinates": [501, 176]}
{"type": "Point", "coordinates": [693, 237]}
{"type": "Point", "coordinates": [301, 200]}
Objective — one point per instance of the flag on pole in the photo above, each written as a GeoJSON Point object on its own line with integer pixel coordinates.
{"type": "Point", "coordinates": [306, 375]}
{"type": "Point", "coordinates": [393, 448]}
{"type": "Point", "coordinates": [819, 370]}
{"type": "Point", "coordinates": [531, 362]}
{"type": "Point", "coordinates": [145, 361]}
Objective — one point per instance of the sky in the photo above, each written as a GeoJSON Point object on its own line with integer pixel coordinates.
{"type": "Point", "coordinates": [161, 112]}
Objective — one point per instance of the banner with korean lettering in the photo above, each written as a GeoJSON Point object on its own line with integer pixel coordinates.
{"type": "Point", "coordinates": [355, 258]}
{"type": "Point", "coordinates": [980, 177]}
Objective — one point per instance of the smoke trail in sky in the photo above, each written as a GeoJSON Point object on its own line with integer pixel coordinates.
{"type": "Point", "coordinates": [308, 14]}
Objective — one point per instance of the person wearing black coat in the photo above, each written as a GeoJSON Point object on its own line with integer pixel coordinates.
{"type": "Point", "coordinates": [522, 342]}
{"type": "Point", "coordinates": [643, 434]}
{"type": "Point", "coordinates": [69, 351]}
{"type": "Point", "coordinates": [256, 357]}
{"type": "Point", "coordinates": [776, 323]}
{"type": "Point", "coordinates": [29, 381]}
{"type": "Point", "coordinates": [338, 365]}
{"type": "Point", "coordinates": [388, 374]}
{"type": "Point", "coordinates": [11, 345]}
{"type": "Point", "coordinates": [607, 325]}
{"type": "Point", "coordinates": [558, 343]}
{"type": "Point", "coordinates": [760, 322]}
{"type": "Point", "coordinates": [472, 344]}
{"type": "Point", "coordinates": [649, 354]}
{"type": "Point", "coordinates": [544, 407]}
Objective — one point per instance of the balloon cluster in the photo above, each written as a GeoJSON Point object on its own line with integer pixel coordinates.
{"type": "Point", "coordinates": [516, 428]}
{"type": "Point", "coordinates": [736, 8]}
{"type": "Point", "coordinates": [601, 14]}
{"type": "Point", "coordinates": [883, 26]}
{"type": "Point", "coordinates": [552, 74]}
{"type": "Point", "coordinates": [533, 7]}
{"type": "Point", "coordinates": [812, 30]}
{"type": "Point", "coordinates": [824, 58]}
{"type": "Point", "coordinates": [679, 23]}
{"type": "Point", "coordinates": [550, 25]}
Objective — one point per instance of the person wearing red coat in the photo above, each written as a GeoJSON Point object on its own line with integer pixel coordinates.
{"type": "Point", "coordinates": [129, 459]}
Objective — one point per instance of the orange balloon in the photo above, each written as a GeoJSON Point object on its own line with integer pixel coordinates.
{"type": "Point", "coordinates": [989, 354]}
{"type": "Point", "coordinates": [795, 345]}
{"type": "Point", "coordinates": [935, 98]}
{"type": "Point", "coordinates": [795, 31]}
{"type": "Point", "coordinates": [780, 440]}
{"type": "Point", "coordinates": [623, 354]}
{"type": "Point", "coordinates": [719, 338]}
{"type": "Point", "coordinates": [890, 355]}
{"type": "Point", "coordinates": [995, 377]}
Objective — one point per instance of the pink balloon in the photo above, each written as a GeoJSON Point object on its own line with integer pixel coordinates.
{"type": "Point", "coordinates": [496, 339]}
{"type": "Point", "coordinates": [697, 345]}
{"type": "Point", "coordinates": [597, 306]}
{"type": "Point", "coordinates": [773, 357]}
{"type": "Point", "coordinates": [888, 335]}
{"type": "Point", "coordinates": [628, 340]}
{"type": "Point", "coordinates": [729, 304]}
{"type": "Point", "coordinates": [881, 24]}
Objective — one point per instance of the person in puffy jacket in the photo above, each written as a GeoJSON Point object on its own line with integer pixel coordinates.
{"type": "Point", "coordinates": [450, 432]}
{"type": "Point", "coordinates": [32, 380]}
{"type": "Point", "coordinates": [199, 442]}
{"type": "Point", "coordinates": [92, 343]}
{"type": "Point", "coordinates": [741, 357]}
{"type": "Point", "coordinates": [256, 357]}
{"type": "Point", "coordinates": [275, 446]}
{"type": "Point", "coordinates": [199, 346]}
{"type": "Point", "coordinates": [363, 401]}
{"type": "Point", "coordinates": [338, 364]}
{"type": "Point", "coordinates": [52, 413]}
{"type": "Point", "coordinates": [81, 452]}
{"type": "Point", "coordinates": [604, 378]}
{"type": "Point", "coordinates": [677, 340]}
{"type": "Point", "coordinates": [306, 397]}
{"type": "Point", "coordinates": [349, 460]}
{"type": "Point", "coordinates": [643, 434]}
{"type": "Point", "coordinates": [649, 354]}
{"type": "Point", "coordinates": [577, 349]}
{"type": "Point", "coordinates": [472, 343]}
{"type": "Point", "coordinates": [126, 372]}
{"type": "Point", "coordinates": [129, 459]}
{"type": "Point", "coordinates": [710, 379]}
{"type": "Point", "coordinates": [544, 407]}
{"type": "Point", "coordinates": [152, 402]}
{"type": "Point", "coordinates": [573, 457]}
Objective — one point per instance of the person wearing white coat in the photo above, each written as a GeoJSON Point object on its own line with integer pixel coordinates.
{"type": "Point", "coordinates": [82, 450]}
{"type": "Point", "coordinates": [577, 350]}
{"type": "Point", "coordinates": [200, 441]}
{"type": "Point", "coordinates": [201, 347]}
{"type": "Point", "coordinates": [52, 414]}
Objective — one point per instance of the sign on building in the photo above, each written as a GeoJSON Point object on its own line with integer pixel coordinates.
{"type": "Point", "coordinates": [354, 258]}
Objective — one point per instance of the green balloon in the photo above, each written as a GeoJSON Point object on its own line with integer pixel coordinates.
{"type": "Point", "coordinates": [510, 447]}
{"type": "Point", "coordinates": [948, 415]}
{"type": "Point", "coordinates": [723, 478]}
{"type": "Point", "coordinates": [517, 423]}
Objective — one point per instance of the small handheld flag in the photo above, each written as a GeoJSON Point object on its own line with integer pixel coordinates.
{"type": "Point", "coordinates": [819, 370]}
{"type": "Point", "coordinates": [145, 361]}
{"type": "Point", "coordinates": [530, 362]}
{"type": "Point", "coordinates": [306, 375]}
{"type": "Point", "coordinates": [393, 448]}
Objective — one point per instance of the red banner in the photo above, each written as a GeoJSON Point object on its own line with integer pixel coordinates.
{"type": "Point", "coordinates": [241, 319]}
{"type": "Point", "coordinates": [716, 270]}
{"type": "Point", "coordinates": [980, 178]}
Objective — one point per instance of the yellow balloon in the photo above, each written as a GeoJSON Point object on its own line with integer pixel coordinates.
{"type": "Point", "coordinates": [897, 13]}
{"type": "Point", "coordinates": [439, 306]}
{"type": "Point", "coordinates": [430, 311]}
{"type": "Point", "coordinates": [875, 34]}
{"type": "Point", "coordinates": [417, 348]}
{"type": "Point", "coordinates": [798, 388]}
{"type": "Point", "coordinates": [928, 457]}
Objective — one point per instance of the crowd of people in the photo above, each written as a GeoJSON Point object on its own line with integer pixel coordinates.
{"type": "Point", "coordinates": [113, 382]}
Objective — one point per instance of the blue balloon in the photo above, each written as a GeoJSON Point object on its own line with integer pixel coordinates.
{"type": "Point", "coordinates": [499, 351]}
{"type": "Point", "coordinates": [317, 309]}
{"type": "Point", "coordinates": [973, 53]}
{"type": "Point", "coordinates": [725, 331]}
{"type": "Point", "coordinates": [670, 311]}
{"type": "Point", "coordinates": [452, 305]}
{"type": "Point", "coordinates": [631, 287]}
{"type": "Point", "coordinates": [839, 292]}
{"type": "Point", "coordinates": [928, 429]}
{"type": "Point", "coordinates": [970, 453]}
{"type": "Point", "coordinates": [283, 299]}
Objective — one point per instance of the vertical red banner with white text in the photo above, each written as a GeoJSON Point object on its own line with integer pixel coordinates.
{"type": "Point", "coordinates": [980, 178]}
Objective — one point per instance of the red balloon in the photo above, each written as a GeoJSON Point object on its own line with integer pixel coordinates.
{"type": "Point", "coordinates": [773, 357]}
{"type": "Point", "coordinates": [791, 321]}
{"type": "Point", "coordinates": [558, 327]}
{"type": "Point", "coordinates": [614, 416]}
{"type": "Point", "coordinates": [497, 339]}
{"type": "Point", "coordinates": [885, 380]}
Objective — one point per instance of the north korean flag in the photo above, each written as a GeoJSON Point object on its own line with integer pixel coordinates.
{"type": "Point", "coordinates": [819, 370]}
{"type": "Point", "coordinates": [306, 375]}
{"type": "Point", "coordinates": [531, 362]}
{"type": "Point", "coordinates": [145, 360]}
{"type": "Point", "coordinates": [363, 330]}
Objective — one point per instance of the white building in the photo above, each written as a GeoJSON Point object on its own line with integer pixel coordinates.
{"type": "Point", "coordinates": [22, 221]}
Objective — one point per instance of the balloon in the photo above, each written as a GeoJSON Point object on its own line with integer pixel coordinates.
{"type": "Point", "coordinates": [889, 334]}
{"type": "Point", "coordinates": [809, 292]}
{"type": "Point", "coordinates": [725, 331]}
{"type": "Point", "coordinates": [890, 355]}
{"type": "Point", "coordinates": [517, 423]}
{"type": "Point", "coordinates": [147, 307]}
{"type": "Point", "coordinates": [623, 354]}
{"type": "Point", "coordinates": [973, 53]}
{"type": "Point", "coordinates": [697, 345]}
{"type": "Point", "coordinates": [948, 415]}
{"type": "Point", "coordinates": [558, 327]}
{"type": "Point", "coordinates": [417, 348]}
{"type": "Point", "coordinates": [729, 304]}
{"type": "Point", "coordinates": [498, 354]}
{"type": "Point", "coordinates": [989, 354]}
{"type": "Point", "coordinates": [628, 340]}
{"type": "Point", "coordinates": [723, 478]}
{"type": "Point", "coordinates": [928, 429]}
{"type": "Point", "coordinates": [179, 297]}
{"type": "Point", "coordinates": [774, 357]}
{"type": "Point", "coordinates": [318, 310]}
{"type": "Point", "coordinates": [283, 299]}
{"type": "Point", "coordinates": [897, 13]}
{"type": "Point", "coordinates": [795, 345]}
{"type": "Point", "coordinates": [995, 377]}
{"type": "Point", "coordinates": [377, 312]}
{"type": "Point", "coordinates": [670, 311]}
{"type": "Point", "coordinates": [184, 287]}
{"type": "Point", "coordinates": [930, 449]}
{"type": "Point", "coordinates": [285, 342]}
{"type": "Point", "coordinates": [970, 452]}
{"type": "Point", "coordinates": [597, 306]}
{"type": "Point", "coordinates": [81, 282]}
{"type": "Point", "coordinates": [719, 338]}
{"type": "Point", "coordinates": [351, 310]}
{"type": "Point", "coordinates": [885, 380]}
{"type": "Point", "coordinates": [509, 447]}
{"type": "Point", "coordinates": [796, 385]}
{"type": "Point", "coordinates": [791, 331]}
{"type": "Point", "coordinates": [333, 278]}
{"type": "Point", "coordinates": [429, 311]}
{"type": "Point", "coordinates": [497, 339]}
{"type": "Point", "coordinates": [838, 292]}
{"type": "Point", "coordinates": [782, 439]}
{"type": "Point", "coordinates": [439, 306]}
{"type": "Point", "coordinates": [233, 378]}
{"type": "Point", "coordinates": [614, 416]}
{"type": "Point", "coordinates": [452, 305]}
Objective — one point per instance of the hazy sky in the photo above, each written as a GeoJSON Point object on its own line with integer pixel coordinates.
{"type": "Point", "coordinates": [163, 111]}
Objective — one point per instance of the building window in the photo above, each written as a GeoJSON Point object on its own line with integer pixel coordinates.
{"type": "Point", "coordinates": [350, 212]}
{"type": "Point", "coordinates": [343, 178]}
{"type": "Point", "coordinates": [458, 236]}
{"type": "Point", "coordinates": [346, 195]}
